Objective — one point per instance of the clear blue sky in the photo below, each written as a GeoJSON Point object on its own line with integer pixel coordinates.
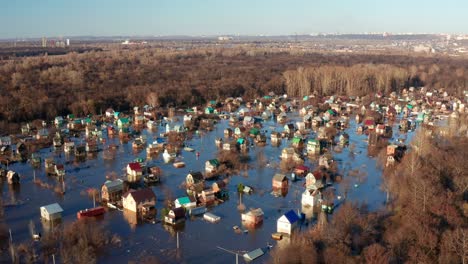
{"type": "Point", "coordinates": [35, 18]}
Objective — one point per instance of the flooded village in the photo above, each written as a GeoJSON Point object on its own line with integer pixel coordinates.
{"type": "Point", "coordinates": [229, 179]}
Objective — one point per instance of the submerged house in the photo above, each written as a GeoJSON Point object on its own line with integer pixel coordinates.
{"type": "Point", "coordinates": [51, 212]}
{"type": "Point", "coordinates": [253, 217]}
{"type": "Point", "coordinates": [287, 223]}
{"type": "Point", "coordinates": [211, 166]}
{"type": "Point", "coordinates": [111, 191]}
{"type": "Point", "coordinates": [313, 146]}
{"type": "Point", "coordinates": [280, 181]}
{"type": "Point", "coordinates": [186, 202]}
{"type": "Point", "coordinates": [195, 182]}
{"type": "Point", "coordinates": [175, 216]}
{"type": "Point", "coordinates": [135, 201]}
{"type": "Point", "coordinates": [310, 197]}
{"type": "Point", "coordinates": [134, 171]}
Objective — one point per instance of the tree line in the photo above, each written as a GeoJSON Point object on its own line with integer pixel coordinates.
{"type": "Point", "coordinates": [88, 83]}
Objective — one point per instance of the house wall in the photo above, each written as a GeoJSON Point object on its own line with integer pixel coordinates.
{"type": "Point", "coordinates": [283, 226]}
{"type": "Point", "coordinates": [129, 204]}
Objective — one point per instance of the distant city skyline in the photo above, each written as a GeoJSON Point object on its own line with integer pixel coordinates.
{"type": "Point", "coordinates": [34, 19]}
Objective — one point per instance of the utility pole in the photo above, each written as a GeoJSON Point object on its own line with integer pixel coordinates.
{"type": "Point", "coordinates": [177, 239]}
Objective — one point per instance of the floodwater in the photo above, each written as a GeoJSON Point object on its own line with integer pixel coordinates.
{"type": "Point", "coordinates": [199, 240]}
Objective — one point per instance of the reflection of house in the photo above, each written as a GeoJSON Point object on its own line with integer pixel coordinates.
{"type": "Point", "coordinates": [280, 181]}
{"type": "Point", "coordinates": [175, 216]}
{"type": "Point", "coordinates": [310, 197]}
{"type": "Point", "coordinates": [253, 217]}
{"type": "Point", "coordinates": [112, 191]}
{"type": "Point", "coordinates": [136, 200]}
{"type": "Point", "coordinates": [51, 212]}
{"type": "Point", "coordinates": [287, 222]}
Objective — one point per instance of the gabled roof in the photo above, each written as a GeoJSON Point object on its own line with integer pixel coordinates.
{"type": "Point", "coordinates": [53, 208]}
{"type": "Point", "coordinates": [141, 195]}
{"type": "Point", "coordinates": [214, 162]}
{"type": "Point", "coordinates": [296, 140]}
{"type": "Point", "coordinates": [184, 200]}
{"type": "Point", "coordinates": [179, 212]}
{"type": "Point", "coordinates": [114, 185]}
{"type": "Point", "coordinates": [279, 177]}
{"type": "Point", "coordinates": [291, 216]}
{"type": "Point", "coordinates": [196, 175]}
{"type": "Point", "coordinates": [135, 166]}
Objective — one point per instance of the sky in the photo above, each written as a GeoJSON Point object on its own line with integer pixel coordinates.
{"type": "Point", "coordinates": [36, 18]}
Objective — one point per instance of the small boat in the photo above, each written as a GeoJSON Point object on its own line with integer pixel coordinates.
{"type": "Point", "coordinates": [96, 211]}
{"type": "Point", "coordinates": [277, 236]}
{"type": "Point", "coordinates": [151, 178]}
{"type": "Point", "coordinates": [179, 164]}
{"type": "Point", "coordinates": [189, 149]}
{"type": "Point", "coordinates": [111, 206]}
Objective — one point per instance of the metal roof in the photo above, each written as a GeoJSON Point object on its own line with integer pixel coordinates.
{"type": "Point", "coordinates": [53, 208]}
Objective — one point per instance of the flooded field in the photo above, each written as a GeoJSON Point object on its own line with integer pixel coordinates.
{"type": "Point", "coordinates": [198, 239]}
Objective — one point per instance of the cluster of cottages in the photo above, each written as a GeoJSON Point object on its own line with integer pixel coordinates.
{"type": "Point", "coordinates": [322, 124]}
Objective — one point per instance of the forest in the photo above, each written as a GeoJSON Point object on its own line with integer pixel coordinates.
{"type": "Point", "coordinates": [425, 220]}
{"type": "Point", "coordinates": [47, 86]}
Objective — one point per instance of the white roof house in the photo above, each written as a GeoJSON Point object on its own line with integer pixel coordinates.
{"type": "Point", "coordinates": [51, 212]}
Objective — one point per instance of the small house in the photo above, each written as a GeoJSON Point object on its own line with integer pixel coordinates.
{"type": "Point", "coordinates": [112, 191]}
{"type": "Point", "coordinates": [229, 146]}
{"type": "Point", "coordinates": [59, 170]}
{"type": "Point", "coordinates": [58, 121]}
{"type": "Point", "coordinates": [239, 131]}
{"type": "Point", "coordinates": [186, 202]}
{"type": "Point", "coordinates": [13, 177]}
{"type": "Point", "coordinates": [287, 223]}
{"type": "Point", "coordinates": [289, 128]}
{"type": "Point", "coordinates": [135, 200]}
{"type": "Point", "coordinates": [275, 137]}
{"type": "Point", "coordinates": [211, 166]}
{"type": "Point", "coordinates": [287, 153]}
{"type": "Point", "coordinates": [175, 216]}
{"type": "Point", "coordinates": [42, 133]}
{"type": "Point", "coordinates": [314, 180]}
{"type": "Point", "coordinates": [195, 181]}
{"type": "Point", "coordinates": [219, 186]}
{"type": "Point", "coordinates": [301, 170]}
{"type": "Point", "coordinates": [134, 171]}
{"type": "Point", "coordinates": [282, 117]}
{"type": "Point", "coordinates": [68, 146]}
{"type": "Point", "coordinates": [207, 197]}
{"type": "Point", "coordinates": [253, 217]}
{"type": "Point", "coordinates": [297, 142]}
{"type": "Point", "coordinates": [313, 146]}
{"type": "Point", "coordinates": [110, 112]}
{"type": "Point", "coordinates": [248, 121]}
{"type": "Point", "coordinates": [123, 122]}
{"type": "Point", "coordinates": [310, 197]}
{"type": "Point", "coordinates": [228, 132]}
{"type": "Point", "coordinates": [5, 141]}
{"type": "Point", "coordinates": [51, 212]}
{"type": "Point", "coordinates": [280, 181]}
